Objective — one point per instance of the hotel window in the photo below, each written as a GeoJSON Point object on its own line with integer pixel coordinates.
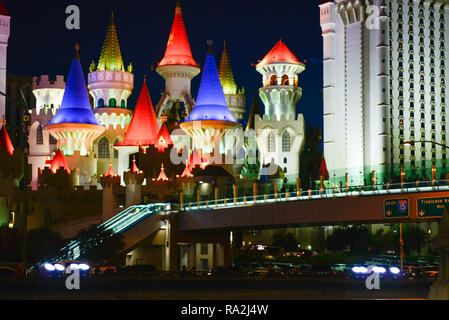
{"type": "Point", "coordinates": [103, 148]}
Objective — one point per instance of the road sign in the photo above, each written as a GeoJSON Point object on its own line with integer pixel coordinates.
{"type": "Point", "coordinates": [396, 208]}
{"type": "Point", "coordinates": [432, 207]}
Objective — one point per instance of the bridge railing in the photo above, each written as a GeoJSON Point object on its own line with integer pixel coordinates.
{"type": "Point", "coordinates": [354, 191]}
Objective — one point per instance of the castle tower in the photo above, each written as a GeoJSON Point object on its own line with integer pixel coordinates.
{"type": "Point", "coordinates": [49, 94]}
{"type": "Point", "coordinates": [75, 125]}
{"type": "Point", "coordinates": [110, 86]}
{"type": "Point", "coordinates": [235, 98]}
{"type": "Point", "coordinates": [177, 67]}
{"type": "Point", "coordinates": [210, 119]}
{"type": "Point", "coordinates": [4, 37]}
{"type": "Point", "coordinates": [142, 131]}
{"type": "Point", "coordinates": [280, 134]}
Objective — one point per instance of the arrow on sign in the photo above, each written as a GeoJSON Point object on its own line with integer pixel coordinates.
{"type": "Point", "coordinates": [388, 213]}
{"type": "Point", "coordinates": [422, 213]}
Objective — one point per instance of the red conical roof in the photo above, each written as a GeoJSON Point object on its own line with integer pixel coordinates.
{"type": "Point", "coordinates": [111, 172]}
{"type": "Point", "coordinates": [323, 170]}
{"type": "Point", "coordinates": [279, 53]}
{"type": "Point", "coordinates": [5, 141]}
{"type": "Point", "coordinates": [3, 11]}
{"type": "Point", "coordinates": [187, 173]}
{"type": "Point", "coordinates": [58, 162]}
{"type": "Point", "coordinates": [178, 48]}
{"type": "Point", "coordinates": [163, 139]}
{"type": "Point", "coordinates": [134, 168]}
{"type": "Point", "coordinates": [162, 175]}
{"type": "Point", "coordinates": [197, 160]}
{"type": "Point", "coordinates": [143, 129]}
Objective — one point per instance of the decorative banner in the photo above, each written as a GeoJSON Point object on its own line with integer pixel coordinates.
{"type": "Point", "coordinates": [432, 207]}
{"type": "Point", "coordinates": [396, 208]}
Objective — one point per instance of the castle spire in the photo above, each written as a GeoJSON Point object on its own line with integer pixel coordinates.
{"type": "Point", "coordinates": [162, 175]}
{"type": "Point", "coordinates": [111, 57]}
{"type": "Point", "coordinates": [3, 11]}
{"type": "Point", "coordinates": [75, 106]}
{"type": "Point", "coordinates": [59, 162]}
{"type": "Point", "coordinates": [255, 110]}
{"type": "Point", "coordinates": [178, 47]}
{"type": "Point", "coordinates": [226, 75]}
{"type": "Point", "coordinates": [279, 53]}
{"type": "Point", "coordinates": [143, 129]}
{"type": "Point", "coordinates": [211, 102]}
{"type": "Point", "coordinates": [5, 141]}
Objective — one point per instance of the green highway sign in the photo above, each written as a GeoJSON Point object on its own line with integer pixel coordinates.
{"type": "Point", "coordinates": [432, 207]}
{"type": "Point", "coordinates": [396, 208]}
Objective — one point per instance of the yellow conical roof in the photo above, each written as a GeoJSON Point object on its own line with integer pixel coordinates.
{"type": "Point", "coordinates": [111, 57]}
{"type": "Point", "coordinates": [226, 75]}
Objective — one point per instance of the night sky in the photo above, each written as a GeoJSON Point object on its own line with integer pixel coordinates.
{"type": "Point", "coordinates": [40, 43]}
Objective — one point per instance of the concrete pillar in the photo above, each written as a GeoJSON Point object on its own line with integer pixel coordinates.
{"type": "Point", "coordinates": [440, 288]}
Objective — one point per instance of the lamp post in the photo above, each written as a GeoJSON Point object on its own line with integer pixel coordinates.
{"type": "Point", "coordinates": [440, 289]}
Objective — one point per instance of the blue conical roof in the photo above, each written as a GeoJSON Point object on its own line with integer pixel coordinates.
{"type": "Point", "coordinates": [210, 103]}
{"type": "Point", "coordinates": [75, 106]}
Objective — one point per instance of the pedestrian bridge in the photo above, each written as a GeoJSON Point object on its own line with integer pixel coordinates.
{"type": "Point", "coordinates": [310, 208]}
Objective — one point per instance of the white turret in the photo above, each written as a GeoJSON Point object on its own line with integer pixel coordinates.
{"type": "Point", "coordinates": [280, 133]}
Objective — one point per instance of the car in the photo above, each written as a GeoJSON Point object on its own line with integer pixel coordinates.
{"type": "Point", "coordinates": [431, 272]}
{"type": "Point", "coordinates": [339, 267]}
{"type": "Point", "coordinates": [423, 261]}
{"type": "Point", "coordinates": [320, 271]}
{"type": "Point", "coordinates": [303, 268]}
{"type": "Point", "coordinates": [141, 270]}
{"type": "Point", "coordinates": [7, 273]}
{"type": "Point", "coordinates": [375, 261]}
{"type": "Point", "coordinates": [228, 271]}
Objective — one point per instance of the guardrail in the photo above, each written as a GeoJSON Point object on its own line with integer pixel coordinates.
{"type": "Point", "coordinates": [330, 193]}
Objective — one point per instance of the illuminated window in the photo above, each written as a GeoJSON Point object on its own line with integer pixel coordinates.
{"type": "Point", "coordinates": [123, 103]}
{"type": "Point", "coordinates": [271, 142]}
{"type": "Point", "coordinates": [273, 80]}
{"type": "Point", "coordinates": [286, 141]}
{"type": "Point", "coordinates": [103, 148]}
{"type": "Point", "coordinates": [285, 81]}
{"type": "Point", "coordinates": [112, 103]}
{"type": "Point", "coordinates": [39, 135]}
{"type": "Point", "coordinates": [100, 103]}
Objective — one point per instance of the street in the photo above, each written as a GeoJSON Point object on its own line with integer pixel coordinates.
{"type": "Point", "coordinates": [213, 289]}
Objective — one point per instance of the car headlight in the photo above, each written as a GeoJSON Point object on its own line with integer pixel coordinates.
{"type": "Point", "coordinates": [83, 266]}
{"type": "Point", "coordinates": [59, 267]}
{"type": "Point", "coordinates": [49, 267]}
{"type": "Point", "coordinates": [394, 270]}
{"type": "Point", "coordinates": [379, 269]}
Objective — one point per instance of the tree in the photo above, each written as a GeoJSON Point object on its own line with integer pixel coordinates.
{"type": "Point", "coordinates": [355, 238]}
{"type": "Point", "coordinates": [414, 238]}
{"type": "Point", "coordinates": [99, 245]}
{"type": "Point", "coordinates": [43, 244]}
{"type": "Point", "coordinates": [285, 240]}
